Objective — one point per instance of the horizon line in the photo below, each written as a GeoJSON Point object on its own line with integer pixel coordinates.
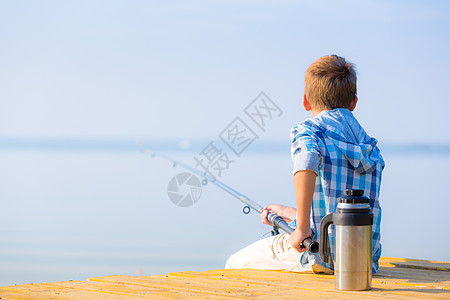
{"type": "Point", "coordinates": [189, 145]}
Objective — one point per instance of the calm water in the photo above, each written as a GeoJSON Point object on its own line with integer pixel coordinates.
{"type": "Point", "coordinates": [74, 214]}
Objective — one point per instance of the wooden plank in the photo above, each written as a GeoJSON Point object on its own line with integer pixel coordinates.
{"type": "Point", "coordinates": [398, 278]}
{"type": "Point", "coordinates": [267, 283]}
{"type": "Point", "coordinates": [416, 277]}
{"type": "Point", "coordinates": [414, 263]}
{"type": "Point", "coordinates": [222, 286]}
{"type": "Point", "coordinates": [95, 290]}
{"type": "Point", "coordinates": [45, 291]}
{"type": "Point", "coordinates": [386, 275]}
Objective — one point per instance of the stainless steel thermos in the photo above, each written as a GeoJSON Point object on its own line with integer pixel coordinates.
{"type": "Point", "coordinates": [352, 222]}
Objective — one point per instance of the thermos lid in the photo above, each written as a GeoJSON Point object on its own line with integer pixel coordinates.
{"type": "Point", "coordinates": [354, 192]}
{"type": "Point", "coordinates": [354, 197]}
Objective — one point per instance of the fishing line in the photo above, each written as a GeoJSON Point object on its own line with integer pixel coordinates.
{"type": "Point", "coordinates": [277, 221]}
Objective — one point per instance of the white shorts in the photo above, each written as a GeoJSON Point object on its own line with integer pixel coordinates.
{"type": "Point", "coordinates": [272, 253]}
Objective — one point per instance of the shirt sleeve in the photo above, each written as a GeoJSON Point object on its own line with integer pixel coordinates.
{"type": "Point", "coordinates": [304, 150]}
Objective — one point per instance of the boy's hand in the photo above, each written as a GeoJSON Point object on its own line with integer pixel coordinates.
{"type": "Point", "coordinates": [297, 237]}
{"type": "Point", "coordinates": [286, 212]}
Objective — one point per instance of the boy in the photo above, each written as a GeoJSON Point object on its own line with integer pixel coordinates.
{"type": "Point", "coordinates": [331, 153]}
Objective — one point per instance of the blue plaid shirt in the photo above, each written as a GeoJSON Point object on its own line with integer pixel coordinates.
{"type": "Point", "coordinates": [339, 151]}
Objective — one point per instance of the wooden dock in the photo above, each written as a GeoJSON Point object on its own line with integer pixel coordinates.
{"type": "Point", "coordinates": [398, 278]}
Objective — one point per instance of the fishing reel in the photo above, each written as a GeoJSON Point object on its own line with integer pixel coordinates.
{"type": "Point", "coordinates": [275, 230]}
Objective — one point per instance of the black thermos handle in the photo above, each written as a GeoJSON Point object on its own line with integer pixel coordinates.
{"type": "Point", "coordinates": [324, 250]}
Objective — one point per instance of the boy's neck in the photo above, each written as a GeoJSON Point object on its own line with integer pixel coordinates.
{"type": "Point", "coordinates": [315, 112]}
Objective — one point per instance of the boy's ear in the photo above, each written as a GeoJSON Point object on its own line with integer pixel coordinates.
{"type": "Point", "coordinates": [353, 104]}
{"type": "Point", "coordinates": [306, 104]}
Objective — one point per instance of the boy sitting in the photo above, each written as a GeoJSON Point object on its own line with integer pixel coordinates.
{"type": "Point", "coordinates": [332, 153]}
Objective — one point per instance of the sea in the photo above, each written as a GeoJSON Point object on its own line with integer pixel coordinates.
{"type": "Point", "coordinates": [76, 209]}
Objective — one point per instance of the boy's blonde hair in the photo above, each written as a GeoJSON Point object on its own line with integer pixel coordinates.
{"type": "Point", "coordinates": [330, 82]}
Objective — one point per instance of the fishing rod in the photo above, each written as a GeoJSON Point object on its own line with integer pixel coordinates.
{"type": "Point", "coordinates": [277, 221]}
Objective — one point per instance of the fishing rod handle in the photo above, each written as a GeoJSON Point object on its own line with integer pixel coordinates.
{"type": "Point", "coordinates": [279, 222]}
{"type": "Point", "coordinates": [312, 246]}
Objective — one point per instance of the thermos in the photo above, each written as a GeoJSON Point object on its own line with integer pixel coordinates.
{"type": "Point", "coordinates": [352, 222]}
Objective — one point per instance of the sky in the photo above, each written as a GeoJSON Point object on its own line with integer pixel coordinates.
{"type": "Point", "coordinates": [185, 69]}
